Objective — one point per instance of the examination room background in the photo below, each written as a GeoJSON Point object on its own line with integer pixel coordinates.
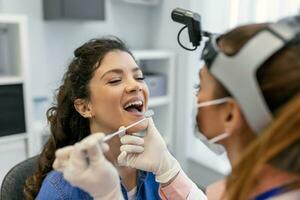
{"type": "Point", "coordinates": [50, 43]}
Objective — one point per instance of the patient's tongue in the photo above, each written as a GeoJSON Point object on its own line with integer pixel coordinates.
{"type": "Point", "coordinates": [132, 109]}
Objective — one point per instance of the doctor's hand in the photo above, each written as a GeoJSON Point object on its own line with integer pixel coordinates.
{"type": "Point", "coordinates": [85, 166]}
{"type": "Point", "coordinates": [149, 154]}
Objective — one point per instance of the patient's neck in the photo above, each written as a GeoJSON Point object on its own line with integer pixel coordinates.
{"type": "Point", "coordinates": [127, 174]}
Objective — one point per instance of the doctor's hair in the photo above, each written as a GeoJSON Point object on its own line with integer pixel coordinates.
{"type": "Point", "coordinates": [279, 144]}
{"type": "Point", "coordinates": [67, 126]}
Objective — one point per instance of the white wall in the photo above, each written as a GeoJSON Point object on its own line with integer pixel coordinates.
{"type": "Point", "coordinates": [272, 10]}
{"type": "Point", "coordinates": [163, 35]}
{"type": "Point", "coordinates": [52, 43]}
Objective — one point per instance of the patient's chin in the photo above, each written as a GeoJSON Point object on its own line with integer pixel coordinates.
{"type": "Point", "coordinates": [141, 127]}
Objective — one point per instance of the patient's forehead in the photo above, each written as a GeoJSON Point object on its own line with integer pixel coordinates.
{"type": "Point", "coordinates": [117, 61]}
{"type": "Point", "coordinates": [117, 57]}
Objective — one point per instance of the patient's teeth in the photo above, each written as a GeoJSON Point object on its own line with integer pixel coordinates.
{"type": "Point", "coordinates": [138, 103]}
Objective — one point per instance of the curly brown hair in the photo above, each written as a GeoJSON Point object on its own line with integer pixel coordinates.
{"type": "Point", "coordinates": [67, 126]}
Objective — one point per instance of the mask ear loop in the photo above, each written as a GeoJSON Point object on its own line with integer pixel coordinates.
{"type": "Point", "coordinates": [218, 138]}
{"type": "Point", "coordinates": [213, 102]}
{"type": "Point", "coordinates": [218, 149]}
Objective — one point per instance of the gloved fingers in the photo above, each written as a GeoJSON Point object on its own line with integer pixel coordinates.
{"type": "Point", "coordinates": [124, 131]}
{"type": "Point", "coordinates": [59, 165]}
{"type": "Point", "coordinates": [64, 153]}
{"type": "Point", "coordinates": [95, 153]}
{"type": "Point", "coordinates": [104, 146]}
{"type": "Point", "coordinates": [78, 158]}
{"type": "Point", "coordinates": [76, 165]}
{"type": "Point", "coordinates": [59, 168]}
{"type": "Point", "coordinates": [130, 139]}
{"type": "Point", "coordinates": [153, 134]}
{"type": "Point", "coordinates": [95, 137]}
{"type": "Point", "coordinates": [126, 159]}
{"type": "Point", "coordinates": [151, 129]}
{"type": "Point", "coordinates": [122, 158]}
{"type": "Point", "coordinates": [93, 147]}
{"type": "Point", "coordinates": [62, 157]}
{"type": "Point", "coordinates": [92, 140]}
{"type": "Point", "coordinates": [132, 148]}
{"type": "Point", "coordinates": [70, 174]}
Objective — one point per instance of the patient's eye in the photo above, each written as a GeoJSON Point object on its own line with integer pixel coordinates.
{"type": "Point", "coordinates": [140, 78]}
{"type": "Point", "coordinates": [115, 81]}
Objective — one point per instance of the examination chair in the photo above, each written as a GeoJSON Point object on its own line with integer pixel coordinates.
{"type": "Point", "coordinates": [14, 180]}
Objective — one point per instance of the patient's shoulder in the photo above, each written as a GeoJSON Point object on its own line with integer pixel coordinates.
{"type": "Point", "coordinates": [55, 186]}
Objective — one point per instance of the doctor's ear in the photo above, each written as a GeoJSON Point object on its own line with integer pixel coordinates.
{"type": "Point", "coordinates": [233, 116]}
{"type": "Point", "coordinates": [83, 107]}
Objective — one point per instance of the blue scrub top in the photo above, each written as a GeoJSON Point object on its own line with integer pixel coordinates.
{"type": "Point", "coordinates": [55, 186]}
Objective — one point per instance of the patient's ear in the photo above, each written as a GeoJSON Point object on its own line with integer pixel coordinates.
{"type": "Point", "coordinates": [83, 108]}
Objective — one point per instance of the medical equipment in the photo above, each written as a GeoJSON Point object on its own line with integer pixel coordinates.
{"type": "Point", "coordinates": [121, 132]}
{"type": "Point", "coordinates": [244, 87]}
{"type": "Point", "coordinates": [192, 21]}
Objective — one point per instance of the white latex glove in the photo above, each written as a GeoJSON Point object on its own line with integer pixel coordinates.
{"type": "Point", "coordinates": [149, 154]}
{"type": "Point", "coordinates": [85, 166]}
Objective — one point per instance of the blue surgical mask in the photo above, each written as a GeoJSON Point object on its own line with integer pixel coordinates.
{"type": "Point", "coordinates": [211, 143]}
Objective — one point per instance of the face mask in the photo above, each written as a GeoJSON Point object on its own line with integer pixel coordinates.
{"type": "Point", "coordinates": [211, 143]}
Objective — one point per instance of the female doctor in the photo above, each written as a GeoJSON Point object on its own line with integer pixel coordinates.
{"type": "Point", "coordinates": [249, 102]}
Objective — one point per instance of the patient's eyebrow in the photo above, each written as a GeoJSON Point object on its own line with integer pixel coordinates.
{"type": "Point", "coordinates": [119, 71]}
{"type": "Point", "coordinates": [116, 71]}
{"type": "Point", "coordinates": [136, 69]}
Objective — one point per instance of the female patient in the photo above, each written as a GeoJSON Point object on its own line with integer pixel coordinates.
{"type": "Point", "coordinates": [102, 90]}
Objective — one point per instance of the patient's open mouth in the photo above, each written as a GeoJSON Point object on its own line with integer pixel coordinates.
{"type": "Point", "coordinates": [134, 106]}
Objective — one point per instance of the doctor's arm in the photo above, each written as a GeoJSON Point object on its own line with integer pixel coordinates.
{"type": "Point", "coordinates": [151, 154]}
